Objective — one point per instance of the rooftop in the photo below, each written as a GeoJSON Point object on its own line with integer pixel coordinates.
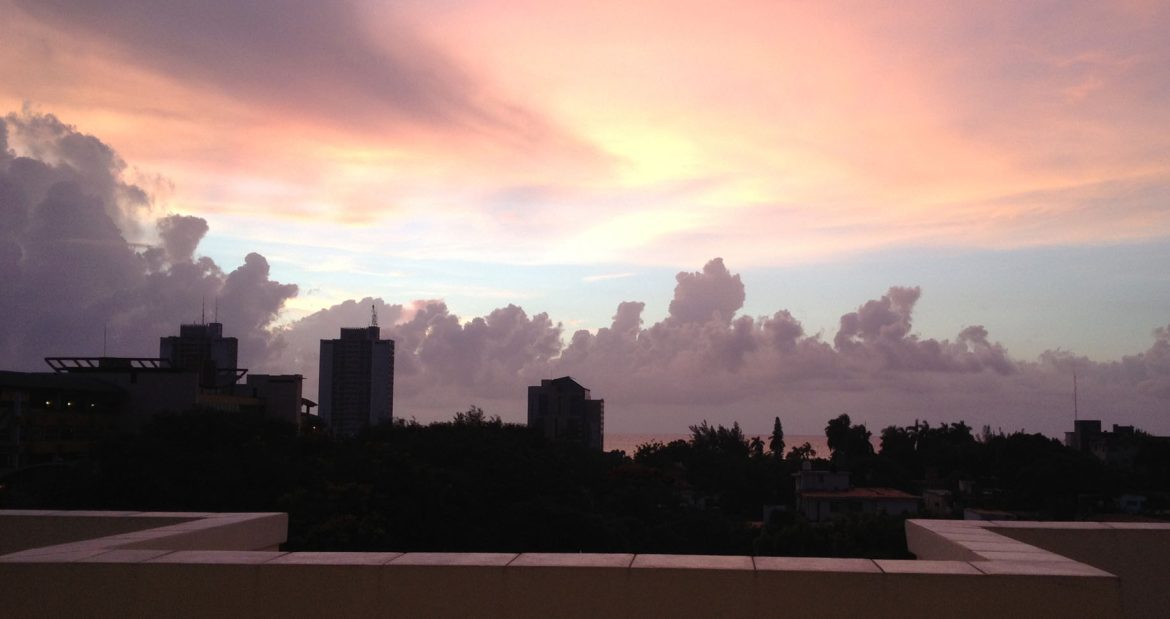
{"type": "Point", "coordinates": [859, 494]}
{"type": "Point", "coordinates": [206, 564]}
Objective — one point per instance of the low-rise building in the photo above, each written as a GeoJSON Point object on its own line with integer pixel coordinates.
{"type": "Point", "coordinates": [46, 418]}
{"type": "Point", "coordinates": [823, 495]}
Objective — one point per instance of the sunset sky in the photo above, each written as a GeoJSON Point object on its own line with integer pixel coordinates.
{"type": "Point", "coordinates": [1010, 159]}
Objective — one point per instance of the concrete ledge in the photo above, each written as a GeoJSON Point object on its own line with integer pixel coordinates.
{"type": "Point", "coordinates": [1137, 552]}
{"type": "Point", "coordinates": [814, 564]}
{"type": "Point", "coordinates": [468, 559]}
{"type": "Point", "coordinates": [229, 532]}
{"type": "Point", "coordinates": [567, 585]}
{"type": "Point", "coordinates": [817, 587]}
{"type": "Point", "coordinates": [1075, 556]}
{"type": "Point", "coordinates": [25, 529]}
{"type": "Point", "coordinates": [214, 565]}
{"type": "Point", "coordinates": [335, 558]}
{"type": "Point", "coordinates": [445, 584]}
{"type": "Point", "coordinates": [311, 584]}
{"type": "Point", "coordinates": [691, 586]}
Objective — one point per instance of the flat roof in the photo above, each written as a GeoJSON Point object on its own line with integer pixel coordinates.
{"type": "Point", "coordinates": [860, 494]}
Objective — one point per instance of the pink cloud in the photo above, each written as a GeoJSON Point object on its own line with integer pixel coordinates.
{"type": "Point", "coordinates": [739, 368]}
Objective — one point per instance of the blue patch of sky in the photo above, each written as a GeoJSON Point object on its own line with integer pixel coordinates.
{"type": "Point", "coordinates": [1102, 301]}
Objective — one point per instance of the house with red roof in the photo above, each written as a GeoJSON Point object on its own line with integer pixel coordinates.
{"type": "Point", "coordinates": [823, 495]}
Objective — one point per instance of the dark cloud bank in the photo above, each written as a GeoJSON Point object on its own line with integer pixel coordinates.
{"type": "Point", "coordinates": [68, 271]}
{"type": "Point", "coordinates": [315, 59]}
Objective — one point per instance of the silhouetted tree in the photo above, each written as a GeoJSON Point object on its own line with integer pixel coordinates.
{"type": "Point", "coordinates": [776, 442]}
{"type": "Point", "coordinates": [474, 416]}
{"type": "Point", "coordinates": [801, 453]}
{"type": "Point", "coordinates": [757, 447]}
{"type": "Point", "coordinates": [849, 444]}
{"type": "Point", "coordinates": [719, 438]}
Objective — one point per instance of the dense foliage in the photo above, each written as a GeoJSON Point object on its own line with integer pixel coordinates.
{"type": "Point", "coordinates": [477, 484]}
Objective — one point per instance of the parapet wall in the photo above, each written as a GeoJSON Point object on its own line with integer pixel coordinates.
{"type": "Point", "coordinates": [215, 565]}
{"type": "Point", "coordinates": [1138, 553]}
{"type": "Point", "coordinates": [24, 529]}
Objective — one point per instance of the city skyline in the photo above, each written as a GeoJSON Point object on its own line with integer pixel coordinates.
{"type": "Point", "coordinates": [918, 211]}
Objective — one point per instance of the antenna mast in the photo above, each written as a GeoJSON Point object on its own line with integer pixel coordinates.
{"type": "Point", "coordinates": [373, 315]}
{"type": "Point", "coordinates": [203, 311]}
{"type": "Point", "coordinates": [1075, 413]}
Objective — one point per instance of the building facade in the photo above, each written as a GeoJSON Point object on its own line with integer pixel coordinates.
{"type": "Point", "coordinates": [356, 380]}
{"type": "Point", "coordinates": [202, 348]}
{"type": "Point", "coordinates": [824, 495]}
{"type": "Point", "coordinates": [150, 386]}
{"type": "Point", "coordinates": [47, 418]}
{"type": "Point", "coordinates": [279, 394]}
{"type": "Point", "coordinates": [562, 410]}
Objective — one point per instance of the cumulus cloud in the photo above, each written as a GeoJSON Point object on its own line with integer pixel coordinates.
{"type": "Point", "coordinates": [70, 271]}
{"type": "Point", "coordinates": [180, 235]}
{"type": "Point", "coordinates": [879, 334]}
{"type": "Point", "coordinates": [71, 275]}
{"type": "Point", "coordinates": [1147, 373]}
{"type": "Point", "coordinates": [704, 361]}
{"type": "Point", "coordinates": [712, 293]}
{"type": "Point", "coordinates": [1152, 368]}
{"type": "Point", "coordinates": [55, 152]}
{"type": "Point", "coordinates": [495, 353]}
{"type": "Point", "coordinates": [701, 357]}
{"type": "Point", "coordinates": [250, 301]}
{"type": "Point", "coordinates": [783, 331]}
{"type": "Point", "coordinates": [883, 320]}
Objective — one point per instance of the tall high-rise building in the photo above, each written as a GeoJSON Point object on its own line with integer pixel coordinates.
{"type": "Point", "coordinates": [202, 348]}
{"type": "Point", "coordinates": [562, 410]}
{"type": "Point", "coordinates": [356, 380]}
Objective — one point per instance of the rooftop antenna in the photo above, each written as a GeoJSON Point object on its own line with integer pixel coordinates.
{"type": "Point", "coordinates": [203, 311]}
{"type": "Point", "coordinates": [373, 315]}
{"type": "Point", "coordinates": [1076, 414]}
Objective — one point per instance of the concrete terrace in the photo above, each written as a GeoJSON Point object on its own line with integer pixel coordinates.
{"type": "Point", "coordinates": [55, 563]}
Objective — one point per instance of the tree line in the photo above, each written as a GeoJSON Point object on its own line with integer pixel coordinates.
{"type": "Point", "coordinates": [475, 483]}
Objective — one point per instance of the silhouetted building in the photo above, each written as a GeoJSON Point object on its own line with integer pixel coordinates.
{"type": "Point", "coordinates": [1117, 448]}
{"type": "Point", "coordinates": [47, 417]}
{"type": "Point", "coordinates": [202, 348]}
{"type": "Point", "coordinates": [356, 380]}
{"type": "Point", "coordinates": [151, 386]}
{"type": "Point", "coordinates": [562, 409]}
{"type": "Point", "coordinates": [1084, 431]}
{"type": "Point", "coordinates": [279, 395]}
{"type": "Point", "coordinates": [823, 495]}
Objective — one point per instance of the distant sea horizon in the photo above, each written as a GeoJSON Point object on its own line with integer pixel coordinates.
{"type": "Point", "coordinates": [629, 441]}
